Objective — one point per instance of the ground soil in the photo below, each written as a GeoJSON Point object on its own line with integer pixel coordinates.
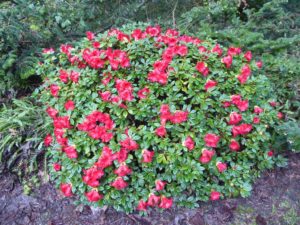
{"type": "Point", "coordinates": [275, 200]}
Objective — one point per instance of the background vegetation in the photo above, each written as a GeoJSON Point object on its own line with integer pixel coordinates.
{"type": "Point", "coordinates": [268, 28]}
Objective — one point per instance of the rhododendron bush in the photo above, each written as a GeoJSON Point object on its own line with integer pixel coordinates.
{"type": "Point", "coordinates": [145, 118]}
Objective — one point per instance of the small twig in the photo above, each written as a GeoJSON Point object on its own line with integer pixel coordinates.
{"type": "Point", "coordinates": [173, 14]}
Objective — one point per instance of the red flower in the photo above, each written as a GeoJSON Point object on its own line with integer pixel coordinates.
{"type": "Point", "coordinates": [125, 90]}
{"type": "Point", "coordinates": [189, 143]}
{"type": "Point", "coordinates": [160, 185]}
{"type": "Point", "coordinates": [66, 189]}
{"type": "Point", "coordinates": [181, 50]}
{"type": "Point", "coordinates": [105, 96]}
{"type": "Point", "coordinates": [158, 76]}
{"type": "Point", "coordinates": [48, 140]}
{"type": "Point", "coordinates": [62, 122]}
{"type": "Point", "coordinates": [165, 113]}
{"type": "Point", "coordinates": [165, 203]}
{"type": "Point", "coordinates": [93, 196]}
{"type": "Point", "coordinates": [69, 105]}
{"type": "Point", "coordinates": [74, 76]}
{"type": "Point", "coordinates": [206, 156]}
{"type": "Point", "coordinates": [234, 118]}
{"type": "Point", "coordinates": [242, 129]}
{"type": "Point", "coordinates": [147, 156]}
{"type": "Point", "coordinates": [211, 140]}
{"type": "Point", "coordinates": [221, 166]}
{"type": "Point", "coordinates": [235, 99]}
{"type": "Point", "coordinates": [179, 117]}
{"type": "Point", "coordinates": [248, 56]}
{"type": "Point", "coordinates": [48, 50]}
{"type": "Point", "coordinates": [122, 155]}
{"type": "Point", "coordinates": [119, 183]}
{"type": "Point", "coordinates": [96, 44]}
{"type": "Point", "coordinates": [106, 159]}
{"type": "Point", "coordinates": [63, 76]}
{"type": "Point", "coordinates": [70, 152]}
{"type": "Point", "coordinates": [52, 112]}
{"type": "Point", "coordinates": [106, 78]}
{"type": "Point", "coordinates": [214, 195]}
{"type": "Point", "coordinates": [161, 131]}
{"type": "Point", "coordinates": [142, 206]}
{"type": "Point", "coordinates": [92, 175]}
{"type": "Point", "coordinates": [259, 64]}
{"type": "Point", "coordinates": [202, 49]}
{"type": "Point", "coordinates": [143, 93]}
{"type": "Point", "coordinates": [258, 110]}
{"type": "Point", "coordinates": [123, 170]}
{"type": "Point", "coordinates": [270, 153]}
{"type": "Point", "coordinates": [233, 51]}
{"type": "Point", "coordinates": [153, 200]}
{"type": "Point", "coordinates": [256, 120]}
{"type": "Point", "coordinates": [129, 144]}
{"type": "Point", "coordinates": [153, 31]}
{"type": "Point", "coordinates": [66, 49]}
{"type": "Point", "coordinates": [56, 166]}
{"type": "Point", "coordinates": [217, 50]}
{"type": "Point", "coordinates": [227, 60]}
{"type": "Point", "coordinates": [226, 104]}
{"type": "Point", "coordinates": [273, 104]}
{"type": "Point", "coordinates": [243, 105]}
{"type": "Point", "coordinates": [234, 145]}
{"type": "Point", "coordinates": [90, 35]}
{"type": "Point", "coordinates": [54, 89]}
{"type": "Point", "coordinates": [138, 34]}
{"type": "Point", "coordinates": [210, 84]}
{"type": "Point", "coordinates": [280, 115]}
{"type": "Point", "coordinates": [244, 75]}
{"type": "Point", "coordinates": [202, 68]}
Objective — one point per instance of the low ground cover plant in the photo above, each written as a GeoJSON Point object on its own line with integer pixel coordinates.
{"type": "Point", "coordinates": [147, 118]}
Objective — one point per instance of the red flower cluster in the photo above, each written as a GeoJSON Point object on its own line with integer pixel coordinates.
{"type": "Point", "coordinates": [214, 195]}
{"type": "Point", "coordinates": [92, 175]}
{"type": "Point", "coordinates": [244, 75]}
{"type": "Point", "coordinates": [71, 152]}
{"type": "Point", "coordinates": [211, 140]}
{"type": "Point", "coordinates": [189, 143]}
{"type": "Point", "coordinates": [93, 196]}
{"type": "Point", "coordinates": [153, 200]}
{"type": "Point", "coordinates": [48, 140]}
{"type": "Point", "coordinates": [66, 189]}
{"type": "Point", "coordinates": [242, 105]}
{"type": "Point", "coordinates": [119, 183]}
{"type": "Point", "coordinates": [175, 118]}
{"type": "Point", "coordinates": [242, 129]}
{"type": "Point", "coordinates": [147, 156]}
{"type": "Point", "coordinates": [96, 131]}
{"type": "Point", "coordinates": [202, 68]}
{"type": "Point", "coordinates": [64, 76]}
{"type": "Point", "coordinates": [210, 84]}
{"type": "Point", "coordinates": [206, 156]}
{"type": "Point", "coordinates": [97, 58]}
{"type": "Point", "coordinates": [221, 166]}
{"type": "Point", "coordinates": [125, 90]}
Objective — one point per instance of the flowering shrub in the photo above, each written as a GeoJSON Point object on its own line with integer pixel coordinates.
{"type": "Point", "coordinates": [144, 118]}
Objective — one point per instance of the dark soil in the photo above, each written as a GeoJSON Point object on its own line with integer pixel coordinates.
{"type": "Point", "coordinates": [274, 200]}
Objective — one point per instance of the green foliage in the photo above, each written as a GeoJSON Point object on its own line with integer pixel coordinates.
{"type": "Point", "coordinates": [267, 28]}
{"type": "Point", "coordinates": [22, 128]}
{"type": "Point", "coordinates": [80, 143]}
{"type": "Point", "coordinates": [271, 31]}
{"type": "Point", "coordinates": [26, 26]}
